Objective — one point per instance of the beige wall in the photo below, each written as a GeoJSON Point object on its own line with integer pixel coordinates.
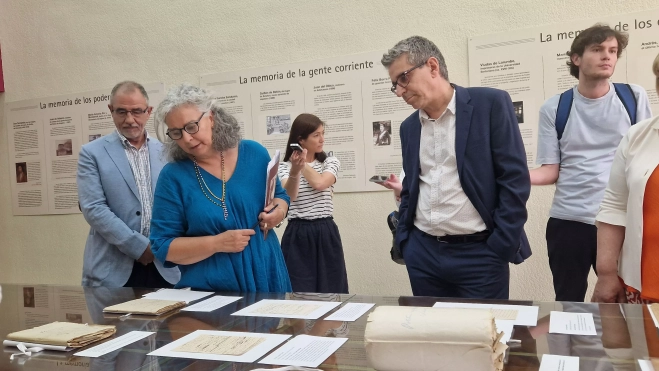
{"type": "Point", "coordinates": [68, 46]}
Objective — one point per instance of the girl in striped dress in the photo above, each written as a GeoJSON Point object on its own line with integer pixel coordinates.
{"type": "Point", "coordinates": [311, 243]}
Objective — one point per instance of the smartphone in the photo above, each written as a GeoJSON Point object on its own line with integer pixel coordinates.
{"type": "Point", "coordinates": [378, 178]}
{"type": "Point", "coordinates": [296, 147]}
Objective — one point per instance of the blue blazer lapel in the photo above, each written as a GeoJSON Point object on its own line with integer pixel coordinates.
{"type": "Point", "coordinates": [415, 144]}
{"type": "Point", "coordinates": [463, 111]}
{"type": "Point", "coordinates": [118, 155]}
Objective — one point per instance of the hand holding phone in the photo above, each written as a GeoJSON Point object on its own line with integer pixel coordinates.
{"type": "Point", "coordinates": [296, 147]}
{"type": "Point", "coordinates": [378, 178]}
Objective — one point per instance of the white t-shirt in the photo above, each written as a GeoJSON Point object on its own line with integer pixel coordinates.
{"type": "Point", "coordinates": [586, 150]}
{"type": "Point", "coordinates": [310, 203]}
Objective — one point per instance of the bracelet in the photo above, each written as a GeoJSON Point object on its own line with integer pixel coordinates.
{"type": "Point", "coordinates": [294, 176]}
{"type": "Point", "coordinates": [282, 220]}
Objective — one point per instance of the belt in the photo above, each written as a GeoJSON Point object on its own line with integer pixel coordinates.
{"type": "Point", "coordinates": [460, 238]}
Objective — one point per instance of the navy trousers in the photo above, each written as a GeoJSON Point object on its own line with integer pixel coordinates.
{"type": "Point", "coordinates": [572, 250]}
{"type": "Point", "coordinates": [147, 276]}
{"type": "Point", "coordinates": [456, 270]}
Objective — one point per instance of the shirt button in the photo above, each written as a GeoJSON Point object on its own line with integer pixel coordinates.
{"type": "Point", "coordinates": [138, 213]}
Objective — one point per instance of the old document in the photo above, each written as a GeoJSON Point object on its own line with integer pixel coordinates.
{"type": "Point", "coordinates": [64, 334]}
{"type": "Point", "coordinates": [288, 309]}
{"type": "Point", "coordinates": [222, 346]}
{"type": "Point", "coordinates": [301, 309]}
{"type": "Point", "coordinates": [145, 306]}
{"type": "Point", "coordinates": [229, 345]}
{"type": "Point", "coordinates": [504, 314]}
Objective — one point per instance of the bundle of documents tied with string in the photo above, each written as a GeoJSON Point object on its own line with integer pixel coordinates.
{"type": "Point", "coordinates": [437, 339]}
{"type": "Point", "coordinates": [150, 307]}
{"type": "Point", "coordinates": [60, 335]}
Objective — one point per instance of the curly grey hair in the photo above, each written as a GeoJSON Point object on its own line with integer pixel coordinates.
{"type": "Point", "coordinates": [418, 50]}
{"type": "Point", "coordinates": [226, 131]}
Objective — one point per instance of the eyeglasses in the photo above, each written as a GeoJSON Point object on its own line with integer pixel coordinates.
{"type": "Point", "coordinates": [190, 128]}
{"type": "Point", "coordinates": [403, 79]}
{"type": "Point", "coordinates": [137, 112]}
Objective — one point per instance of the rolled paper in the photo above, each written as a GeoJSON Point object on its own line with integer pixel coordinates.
{"type": "Point", "coordinates": [433, 339]}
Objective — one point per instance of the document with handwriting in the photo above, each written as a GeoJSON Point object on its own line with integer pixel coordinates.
{"type": "Point", "coordinates": [214, 344]}
{"type": "Point", "coordinates": [301, 309]}
{"type": "Point", "coordinates": [227, 346]}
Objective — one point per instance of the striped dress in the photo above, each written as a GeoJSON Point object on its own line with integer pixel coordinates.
{"type": "Point", "coordinates": [311, 243]}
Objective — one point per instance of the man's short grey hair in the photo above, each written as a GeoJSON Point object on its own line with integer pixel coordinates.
{"type": "Point", "coordinates": [226, 131]}
{"type": "Point", "coordinates": [128, 87]}
{"type": "Point", "coordinates": [418, 50]}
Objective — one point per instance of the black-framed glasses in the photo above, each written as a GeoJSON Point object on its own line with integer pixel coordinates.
{"type": "Point", "coordinates": [191, 127]}
{"type": "Point", "coordinates": [404, 79]}
{"type": "Point", "coordinates": [137, 112]}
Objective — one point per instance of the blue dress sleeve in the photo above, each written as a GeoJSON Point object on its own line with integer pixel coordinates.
{"type": "Point", "coordinates": [168, 218]}
{"type": "Point", "coordinates": [280, 192]}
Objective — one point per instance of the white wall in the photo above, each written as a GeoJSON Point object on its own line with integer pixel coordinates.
{"type": "Point", "coordinates": [67, 46]}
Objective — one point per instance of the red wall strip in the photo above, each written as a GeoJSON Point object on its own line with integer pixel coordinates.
{"type": "Point", "coordinates": [2, 80]}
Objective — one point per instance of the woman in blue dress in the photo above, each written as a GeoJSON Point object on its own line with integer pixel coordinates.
{"type": "Point", "coordinates": [209, 196]}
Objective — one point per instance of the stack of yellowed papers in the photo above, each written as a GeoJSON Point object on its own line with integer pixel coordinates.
{"type": "Point", "coordinates": [145, 306]}
{"type": "Point", "coordinates": [437, 339]}
{"type": "Point", "coordinates": [73, 335]}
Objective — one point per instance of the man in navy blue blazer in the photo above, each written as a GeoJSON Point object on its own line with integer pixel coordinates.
{"type": "Point", "coordinates": [463, 203]}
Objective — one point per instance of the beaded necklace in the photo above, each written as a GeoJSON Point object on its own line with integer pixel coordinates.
{"type": "Point", "coordinates": [206, 190]}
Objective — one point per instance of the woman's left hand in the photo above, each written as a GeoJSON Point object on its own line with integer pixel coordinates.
{"type": "Point", "coordinates": [269, 221]}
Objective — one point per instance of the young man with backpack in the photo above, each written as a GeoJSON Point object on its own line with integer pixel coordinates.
{"type": "Point", "coordinates": [579, 131]}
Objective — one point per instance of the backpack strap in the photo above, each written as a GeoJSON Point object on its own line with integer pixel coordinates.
{"type": "Point", "coordinates": [624, 92]}
{"type": "Point", "coordinates": [628, 99]}
{"type": "Point", "coordinates": [563, 111]}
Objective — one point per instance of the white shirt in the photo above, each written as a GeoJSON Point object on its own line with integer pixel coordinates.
{"type": "Point", "coordinates": [586, 149]}
{"type": "Point", "coordinates": [310, 203]}
{"type": "Point", "coordinates": [140, 164]}
{"type": "Point", "coordinates": [443, 207]}
{"type": "Point", "coordinates": [635, 160]}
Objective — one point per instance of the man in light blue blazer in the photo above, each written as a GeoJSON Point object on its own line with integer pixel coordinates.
{"type": "Point", "coordinates": [117, 174]}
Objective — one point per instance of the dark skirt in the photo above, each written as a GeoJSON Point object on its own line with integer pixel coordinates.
{"type": "Point", "coordinates": [314, 256]}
